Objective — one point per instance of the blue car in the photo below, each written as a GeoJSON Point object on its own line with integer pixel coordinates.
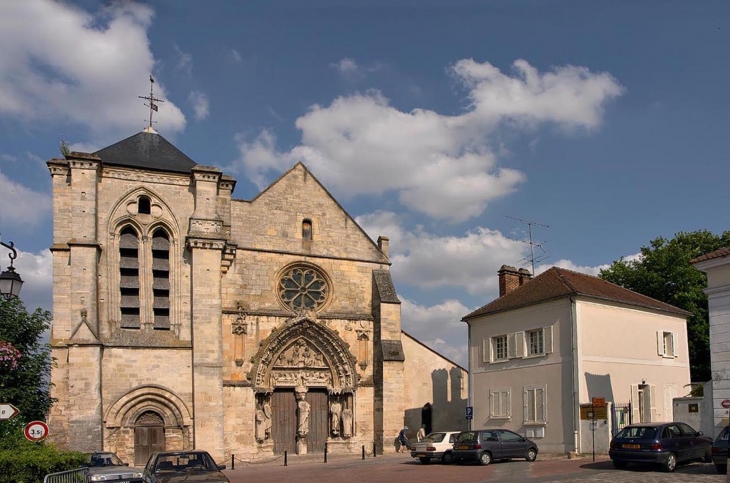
{"type": "Point", "coordinates": [663, 444]}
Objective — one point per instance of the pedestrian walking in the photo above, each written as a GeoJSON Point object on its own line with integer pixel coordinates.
{"type": "Point", "coordinates": [403, 440]}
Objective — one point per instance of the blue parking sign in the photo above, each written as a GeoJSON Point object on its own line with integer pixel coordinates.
{"type": "Point", "coordinates": [469, 412]}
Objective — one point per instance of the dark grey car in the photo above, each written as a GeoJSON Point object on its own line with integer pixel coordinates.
{"type": "Point", "coordinates": [719, 450]}
{"type": "Point", "coordinates": [183, 466]}
{"type": "Point", "coordinates": [485, 445]}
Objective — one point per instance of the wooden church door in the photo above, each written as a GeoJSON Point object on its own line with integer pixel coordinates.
{"type": "Point", "coordinates": [149, 437]}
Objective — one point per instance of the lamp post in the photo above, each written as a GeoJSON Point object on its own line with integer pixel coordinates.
{"type": "Point", "coordinates": [10, 281]}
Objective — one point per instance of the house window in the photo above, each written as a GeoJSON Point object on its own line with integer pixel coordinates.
{"type": "Point", "coordinates": [666, 343]}
{"type": "Point", "coordinates": [499, 347]}
{"type": "Point", "coordinates": [535, 401]}
{"type": "Point", "coordinates": [129, 278]}
{"type": "Point", "coordinates": [499, 403]}
{"type": "Point", "coordinates": [535, 345]}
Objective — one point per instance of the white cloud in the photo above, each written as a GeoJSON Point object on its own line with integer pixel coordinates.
{"type": "Point", "coordinates": [469, 261]}
{"type": "Point", "coordinates": [569, 265]}
{"type": "Point", "coordinates": [199, 101]}
{"type": "Point", "coordinates": [59, 63]}
{"type": "Point", "coordinates": [184, 61]}
{"type": "Point", "coordinates": [444, 166]}
{"type": "Point", "coordinates": [25, 215]}
{"type": "Point", "coordinates": [438, 326]}
{"type": "Point", "coordinates": [36, 270]}
{"type": "Point", "coordinates": [236, 56]}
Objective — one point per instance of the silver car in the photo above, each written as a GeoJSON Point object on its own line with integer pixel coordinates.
{"type": "Point", "coordinates": [106, 466]}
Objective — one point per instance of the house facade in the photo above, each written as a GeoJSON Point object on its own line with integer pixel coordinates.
{"type": "Point", "coordinates": [550, 344]}
{"type": "Point", "coordinates": [184, 318]}
{"type": "Point", "coordinates": [717, 267]}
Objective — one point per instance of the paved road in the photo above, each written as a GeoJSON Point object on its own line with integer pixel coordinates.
{"type": "Point", "coordinates": [399, 468]}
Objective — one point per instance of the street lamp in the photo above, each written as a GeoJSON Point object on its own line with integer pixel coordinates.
{"type": "Point", "coordinates": [10, 281]}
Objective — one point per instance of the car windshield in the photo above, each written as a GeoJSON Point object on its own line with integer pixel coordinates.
{"type": "Point", "coordinates": [105, 459]}
{"type": "Point", "coordinates": [639, 432]}
{"type": "Point", "coordinates": [723, 436]}
{"type": "Point", "coordinates": [467, 436]}
{"type": "Point", "coordinates": [179, 462]}
{"type": "Point", "coordinates": [436, 437]}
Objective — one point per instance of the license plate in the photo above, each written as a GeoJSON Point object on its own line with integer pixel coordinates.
{"type": "Point", "coordinates": [421, 455]}
{"type": "Point", "coordinates": [631, 446]}
{"type": "Point", "coordinates": [463, 447]}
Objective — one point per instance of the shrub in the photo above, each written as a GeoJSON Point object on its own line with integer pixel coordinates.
{"type": "Point", "coordinates": [23, 461]}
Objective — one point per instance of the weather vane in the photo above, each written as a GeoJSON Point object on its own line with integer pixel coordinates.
{"type": "Point", "coordinates": [152, 99]}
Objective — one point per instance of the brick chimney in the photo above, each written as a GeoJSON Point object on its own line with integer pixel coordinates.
{"type": "Point", "coordinates": [384, 244]}
{"type": "Point", "coordinates": [509, 279]}
{"type": "Point", "coordinates": [525, 276]}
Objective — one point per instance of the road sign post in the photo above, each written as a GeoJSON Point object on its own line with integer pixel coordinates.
{"type": "Point", "coordinates": [8, 411]}
{"type": "Point", "coordinates": [469, 414]}
{"type": "Point", "coordinates": [36, 431]}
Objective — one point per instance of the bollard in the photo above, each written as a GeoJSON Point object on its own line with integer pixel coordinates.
{"type": "Point", "coordinates": [325, 452]}
{"type": "Point", "coordinates": [284, 458]}
{"type": "Point", "coordinates": [233, 461]}
{"type": "Point", "coordinates": [363, 451]}
{"type": "Point", "coordinates": [374, 452]}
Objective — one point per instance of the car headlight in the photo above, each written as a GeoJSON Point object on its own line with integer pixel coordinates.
{"type": "Point", "coordinates": [99, 477]}
{"type": "Point", "coordinates": [137, 474]}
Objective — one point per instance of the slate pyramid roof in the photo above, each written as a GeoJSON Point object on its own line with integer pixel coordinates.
{"type": "Point", "coordinates": [146, 150]}
{"type": "Point", "coordinates": [557, 283]}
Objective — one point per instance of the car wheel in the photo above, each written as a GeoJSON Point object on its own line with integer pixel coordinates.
{"type": "Point", "coordinates": [447, 458]}
{"type": "Point", "coordinates": [671, 463]}
{"type": "Point", "coordinates": [620, 464]}
{"type": "Point", "coordinates": [485, 458]}
{"type": "Point", "coordinates": [425, 461]}
{"type": "Point", "coordinates": [708, 455]}
{"type": "Point", "coordinates": [531, 454]}
{"type": "Point", "coordinates": [722, 469]}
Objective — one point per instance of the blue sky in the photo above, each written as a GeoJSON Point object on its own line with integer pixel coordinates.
{"type": "Point", "coordinates": [430, 122]}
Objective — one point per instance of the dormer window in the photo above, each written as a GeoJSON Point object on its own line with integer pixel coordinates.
{"type": "Point", "coordinates": [143, 205]}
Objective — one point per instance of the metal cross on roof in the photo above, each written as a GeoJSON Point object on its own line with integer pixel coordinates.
{"type": "Point", "coordinates": [152, 99]}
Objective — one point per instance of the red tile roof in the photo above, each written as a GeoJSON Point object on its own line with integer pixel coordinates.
{"type": "Point", "coordinates": [557, 283]}
{"type": "Point", "coordinates": [721, 253]}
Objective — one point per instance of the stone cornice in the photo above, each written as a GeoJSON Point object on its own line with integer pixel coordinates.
{"type": "Point", "coordinates": [312, 255]}
{"type": "Point", "coordinates": [146, 177]}
{"type": "Point", "coordinates": [205, 243]}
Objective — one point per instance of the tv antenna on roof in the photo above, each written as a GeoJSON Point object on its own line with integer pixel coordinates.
{"type": "Point", "coordinates": [532, 258]}
{"type": "Point", "coordinates": [153, 107]}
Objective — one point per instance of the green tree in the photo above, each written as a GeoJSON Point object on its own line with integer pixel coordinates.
{"type": "Point", "coordinates": [663, 272]}
{"type": "Point", "coordinates": [25, 360]}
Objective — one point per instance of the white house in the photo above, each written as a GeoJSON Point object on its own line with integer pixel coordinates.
{"type": "Point", "coordinates": [717, 267]}
{"type": "Point", "coordinates": [549, 344]}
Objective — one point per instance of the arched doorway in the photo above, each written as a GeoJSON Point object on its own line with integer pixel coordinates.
{"type": "Point", "coordinates": [304, 369]}
{"type": "Point", "coordinates": [149, 436]}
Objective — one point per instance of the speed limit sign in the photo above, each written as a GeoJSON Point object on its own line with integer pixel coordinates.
{"type": "Point", "coordinates": [36, 431]}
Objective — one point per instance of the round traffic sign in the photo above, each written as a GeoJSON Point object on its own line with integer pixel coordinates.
{"type": "Point", "coordinates": [36, 431]}
{"type": "Point", "coordinates": [726, 403]}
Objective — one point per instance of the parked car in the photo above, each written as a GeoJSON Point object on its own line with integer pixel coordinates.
{"type": "Point", "coordinates": [107, 466]}
{"type": "Point", "coordinates": [183, 466]}
{"type": "Point", "coordinates": [437, 445]}
{"type": "Point", "coordinates": [664, 444]}
{"type": "Point", "coordinates": [719, 450]}
{"type": "Point", "coordinates": [485, 445]}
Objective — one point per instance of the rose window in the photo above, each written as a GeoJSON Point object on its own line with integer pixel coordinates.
{"type": "Point", "coordinates": [303, 288]}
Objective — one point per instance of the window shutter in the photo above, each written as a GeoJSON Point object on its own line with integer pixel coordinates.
{"type": "Point", "coordinates": [492, 403]}
{"type": "Point", "coordinates": [520, 344]}
{"type": "Point", "coordinates": [547, 337]}
{"type": "Point", "coordinates": [511, 354]}
{"type": "Point", "coordinates": [526, 403]}
{"type": "Point", "coordinates": [486, 350]}
{"type": "Point", "coordinates": [507, 410]}
{"type": "Point", "coordinates": [674, 344]}
{"type": "Point", "coordinates": [660, 342]}
{"type": "Point", "coordinates": [653, 400]}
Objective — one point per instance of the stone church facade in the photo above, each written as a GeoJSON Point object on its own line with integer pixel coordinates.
{"type": "Point", "coordinates": [184, 318]}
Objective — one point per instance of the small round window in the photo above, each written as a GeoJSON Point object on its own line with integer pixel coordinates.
{"type": "Point", "coordinates": [303, 287]}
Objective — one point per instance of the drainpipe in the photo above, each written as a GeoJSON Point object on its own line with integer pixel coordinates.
{"type": "Point", "coordinates": [470, 376]}
{"type": "Point", "coordinates": [574, 354]}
